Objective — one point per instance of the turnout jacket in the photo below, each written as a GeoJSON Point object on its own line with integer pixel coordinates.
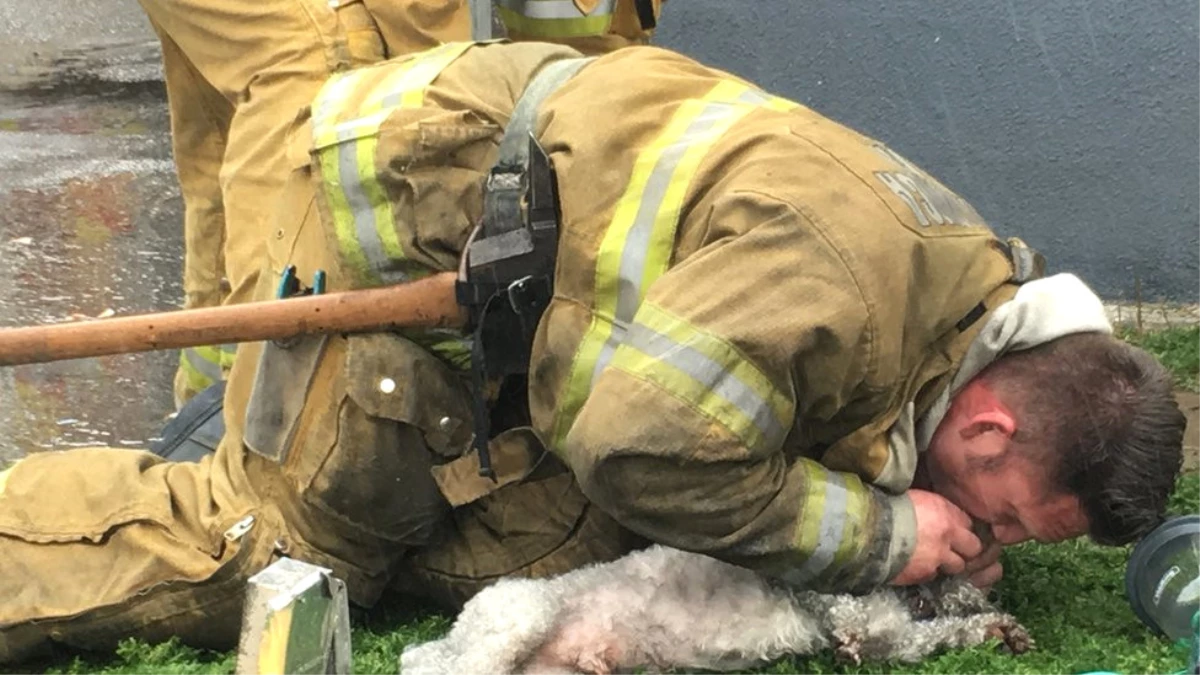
{"type": "Point", "coordinates": [748, 295]}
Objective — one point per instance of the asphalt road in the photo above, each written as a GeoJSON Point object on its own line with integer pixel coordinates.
{"type": "Point", "coordinates": [90, 217]}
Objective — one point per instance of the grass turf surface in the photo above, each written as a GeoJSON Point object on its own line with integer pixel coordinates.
{"type": "Point", "coordinates": [1177, 348]}
{"type": "Point", "coordinates": [1071, 597]}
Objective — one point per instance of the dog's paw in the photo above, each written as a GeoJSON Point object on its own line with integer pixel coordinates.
{"type": "Point", "coordinates": [1014, 639]}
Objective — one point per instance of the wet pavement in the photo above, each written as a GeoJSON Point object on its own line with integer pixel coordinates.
{"type": "Point", "coordinates": [90, 218]}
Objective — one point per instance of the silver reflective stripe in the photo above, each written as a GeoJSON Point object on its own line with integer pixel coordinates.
{"type": "Point", "coordinates": [481, 20]}
{"type": "Point", "coordinates": [833, 524]}
{"type": "Point", "coordinates": [714, 376]}
{"type": "Point", "coordinates": [514, 146]}
{"type": "Point", "coordinates": [753, 97]}
{"type": "Point", "coordinates": [364, 214]}
{"type": "Point", "coordinates": [326, 102]}
{"type": "Point", "coordinates": [554, 9]}
{"type": "Point", "coordinates": [633, 254]}
{"type": "Point", "coordinates": [202, 365]}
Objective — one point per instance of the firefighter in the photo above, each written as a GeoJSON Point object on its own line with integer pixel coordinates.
{"type": "Point", "coordinates": [758, 334]}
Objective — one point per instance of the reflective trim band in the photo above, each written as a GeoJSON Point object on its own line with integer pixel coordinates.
{"type": "Point", "coordinates": [371, 94]}
{"type": "Point", "coordinates": [638, 244]}
{"type": "Point", "coordinates": [328, 102]}
{"type": "Point", "coordinates": [830, 524]}
{"type": "Point", "coordinates": [363, 220]}
{"type": "Point", "coordinates": [362, 212]}
{"type": "Point", "coordinates": [481, 20]}
{"type": "Point", "coordinates": [707, 373]}
{"type": "Point", "coordinates": [207, 362]}
{"type": "Point", "coordinates": [649, 237]}
{"type": "Point", "coordinates": [554, 9]}
{"type": "Point", "coordinates": [554, 18]}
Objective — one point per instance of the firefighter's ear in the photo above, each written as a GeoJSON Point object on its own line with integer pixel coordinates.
{"type": "Point", "coordinates": [996, 420]}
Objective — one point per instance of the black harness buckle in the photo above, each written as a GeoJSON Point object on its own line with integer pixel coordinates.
{"type": "Point", "coordinates": [507, 277]}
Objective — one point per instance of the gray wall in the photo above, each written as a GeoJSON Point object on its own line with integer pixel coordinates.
{"type": "Point", "coordinates": [1069, 123]}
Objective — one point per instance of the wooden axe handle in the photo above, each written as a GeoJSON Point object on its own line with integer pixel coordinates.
{"type": "Point", "coordinates": [427, 303]}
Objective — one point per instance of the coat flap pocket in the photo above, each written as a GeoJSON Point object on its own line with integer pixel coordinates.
{"type": "Point", "coordinates": [281, 385]}
{"type": "Point", "coordinates": [393, 378]}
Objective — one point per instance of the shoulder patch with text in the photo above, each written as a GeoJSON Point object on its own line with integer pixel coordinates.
{"type": "Point", "coordinates": [930, 201]}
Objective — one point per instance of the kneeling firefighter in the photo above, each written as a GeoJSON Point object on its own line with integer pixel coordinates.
{"type": "Point", "coordinates": [233, 97]}
{"type": "Point", "coordinates": [628, 231]}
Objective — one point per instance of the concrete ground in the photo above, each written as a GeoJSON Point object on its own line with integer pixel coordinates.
{"type": "Point", "coordinates": [89, 216]}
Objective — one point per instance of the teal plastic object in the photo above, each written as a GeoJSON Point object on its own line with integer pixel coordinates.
{"type": "Point", "coordinates": [1162, 582]}
{"type": "Point", "coordinates": [1162, 579]}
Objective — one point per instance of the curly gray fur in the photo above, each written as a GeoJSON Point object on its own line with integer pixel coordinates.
{"type": "Point", "coordinates": [664, 608]}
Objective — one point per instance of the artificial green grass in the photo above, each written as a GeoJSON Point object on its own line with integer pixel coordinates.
{"type": "Point", "coordinates": [1177, 348]}
{"type": "Point", "coordinates": [1070, 596]}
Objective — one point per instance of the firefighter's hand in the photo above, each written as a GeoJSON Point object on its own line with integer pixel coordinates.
{"type": "Point", "coordinates": [945, 542]}
{"type": "Point", "coordinates": [985, 570]}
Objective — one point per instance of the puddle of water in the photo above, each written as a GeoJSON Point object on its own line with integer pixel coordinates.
{"type": "Point", "coordinates": [90, 220]}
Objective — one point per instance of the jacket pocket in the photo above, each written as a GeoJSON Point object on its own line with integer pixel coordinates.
{"type": "Point", "coordinates": [511, 528]}
{"type": "Point", "coordinates": [377, 413]}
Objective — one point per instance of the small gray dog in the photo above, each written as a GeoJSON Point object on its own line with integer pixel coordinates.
{"type": "Point", "coordinates": [663, 608]}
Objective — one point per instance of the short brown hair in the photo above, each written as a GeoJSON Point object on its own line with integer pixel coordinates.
{"type": "Point", "coordinates": [1109, 412]}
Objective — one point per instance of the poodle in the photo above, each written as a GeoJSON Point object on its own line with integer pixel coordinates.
{"type": "Point", "coordinates": [663, 608]}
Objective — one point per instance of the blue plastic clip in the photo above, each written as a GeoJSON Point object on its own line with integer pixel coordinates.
{"type": "Point", "coordinates": [289, 284]}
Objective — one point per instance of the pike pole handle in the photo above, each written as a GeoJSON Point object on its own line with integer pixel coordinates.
{"type": "Point", "coordinates": [427, 303]}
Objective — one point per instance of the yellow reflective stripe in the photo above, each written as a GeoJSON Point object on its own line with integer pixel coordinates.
{"type": "Point", "coordinates": [854, 534]}
{"type": "Point", "coordinates": [205, 362]}
{"type": "Point", "coordinates": [330, 100]}
{"type": "Point", "coordinates": [708, 373]}
{"type": "Point", "coordinates": [206, 365]}
{"type": "Point", "coordinates": [364, 223]}
{"type": "Point", "coordinates": [638, 244]}
{"type": "Point", "coordinates": [398, 85]}
{"type": "Point", "coordinates": [692, 391]}
{"type": "Point", "coordinates": [376, 196]}
{"type": "Point", "coordinates": [830, 529]}
{"type": "Point", "coordinates": [554, 28]}
{"type": "Point", "coordinates": [227, 354]}
{"type": "Point", "coordinates": [424, 72]}
{"type": "Point", "coordinates": [221, 356]}
{"type": "Point", "coordinates": [343, 218]}
{"type": "Point", "coordinates": [195, 381]}
{"type": "Point", "coordinates": [812, 508]}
